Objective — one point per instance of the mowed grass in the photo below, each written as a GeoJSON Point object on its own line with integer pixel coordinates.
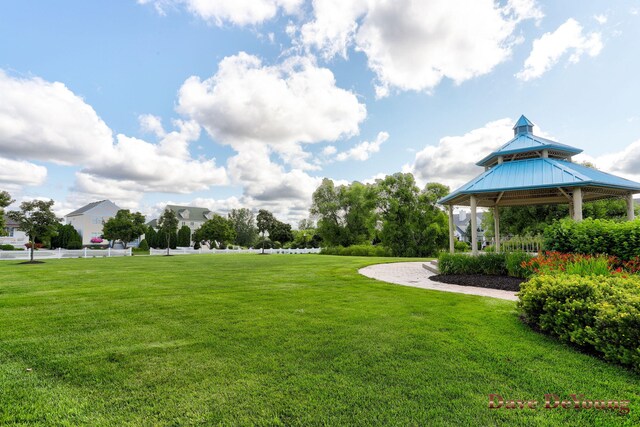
{"type": "Point", "coordinates": [274, 340]}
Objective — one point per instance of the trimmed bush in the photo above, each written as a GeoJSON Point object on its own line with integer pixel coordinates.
{"type": "Point", "coordinates": [143, 246]}
{"type": "Point", "coordinates": [488, 264]}
{"type": "Point", "coordinates": [461, 246]}
{"type": "Point", "coordinates": [594, 236]}
{"type": "Point", "coordinates": [7, 248]}
{"type": "Point", "coordinates": [357, 250]}
{"type": "Point", "coordinates": [74, 244]}
{"type": "Point", "coordinates": [196, 245]}
{"type": "Point", "coordinates": [515, 264]}
{"type": "Point", "coordinates": [600, 313]}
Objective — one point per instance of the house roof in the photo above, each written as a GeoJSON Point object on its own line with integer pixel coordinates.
{"type": "Point", "coordinates": [191, 213]}
{"type": "Point", "coordinates": [86, 208]}
{"type": "Point", "coordinates": [539, 173]}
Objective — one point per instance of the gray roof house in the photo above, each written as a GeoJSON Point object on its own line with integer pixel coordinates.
{"type": "Point", "coordinates": [191, 216]}
{"type": "Point", "coordinates": [88, 219]}
{"type": "Point", "coordinates": [461, 221]}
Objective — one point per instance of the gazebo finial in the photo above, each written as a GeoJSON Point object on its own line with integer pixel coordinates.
{"type": "Point", "coordinates": [523, 125]}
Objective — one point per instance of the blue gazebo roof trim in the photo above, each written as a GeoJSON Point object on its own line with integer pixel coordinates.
{"type": "Point", "coordinates": [531, 174]}
{"type": "Point", "coordinates": [525, 142]}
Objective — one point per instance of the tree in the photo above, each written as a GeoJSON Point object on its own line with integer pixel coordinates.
{"type": "Point", "coordinates": [151, 236]}
{"type": "Point", "coordinates": [184, 236]}
{"type": "Point", "coordinates": [346, 214]}
{"type": "Point", "coordinates": [65, 236]}
{"type": "Point", "coordinates": [125, 226]}
{"type": "Point", "coordinates": [218, 230]}
{"type": "Point", "coordinates": [306, 224]}
{"type": "Point", "coordinates": [281, 232]}
{"type": "Point", "coordinates": [36, 219]}
{"type": "Point", "coordinates": [168, 224]}
{"type": "Point", "coordinates": [265, 221]}
{"type": "Point", "coordinates": [5, 200]}
{"type": "Point", "coordinates": [243, 222]}
{"type": "Point", "coordinates": [411, 223]}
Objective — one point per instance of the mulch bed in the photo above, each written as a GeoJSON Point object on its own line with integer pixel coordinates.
{"type": "Point", "coordinates": [504, 283]}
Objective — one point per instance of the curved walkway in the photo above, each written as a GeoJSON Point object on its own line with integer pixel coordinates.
{"type": "Point", "coordinates": [413, 274]}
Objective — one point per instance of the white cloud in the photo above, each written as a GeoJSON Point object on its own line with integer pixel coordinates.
{"type": "Point", "coordinates": [602, 18]}
{"type": "Point", "coordinates": [46, 121]}
{"type": "Point", "coordinates": [151, 124]}
{"type": "Point", "coordinates": [363, 150]}
{"type": "Point", "coordinates": [18, 173]}
{"type": "Point", "coordinates": [548, 49]}
{"type": "Point", "coordinates": [329, 150]}
{"type": "Point", "coordinates": [238, 12]}
{"type": "Point", "coordinates": [453, 161]}
{"type": "Point", "coordinates": [623, 163]}
{"type": "Point", "coordinates": [414, 44]}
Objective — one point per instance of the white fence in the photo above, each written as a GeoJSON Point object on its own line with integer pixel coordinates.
{"type": "Point", "coordinates": [191, 251]}
{"type": "Point", "coordinates": [64, 253]}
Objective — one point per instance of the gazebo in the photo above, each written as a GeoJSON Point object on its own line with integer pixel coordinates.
{"type": "Point", "coordinates": [530, 170]}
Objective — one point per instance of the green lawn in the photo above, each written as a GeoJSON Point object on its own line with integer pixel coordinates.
{"type": "Point", "coordinates": [274, 340]}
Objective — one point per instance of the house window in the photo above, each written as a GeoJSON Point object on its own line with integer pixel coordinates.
{"type": "Point", "coordinates": [193, 223]}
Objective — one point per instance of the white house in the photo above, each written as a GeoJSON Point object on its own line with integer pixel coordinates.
{"type": "Point", "coordinates": [88, 219]}
{"type": "Point", "coordinates": [461, 221]}
{"type": "Point", "coordinates": [191, 216]}
{"type": "Point", "coordinates": [13, 236]}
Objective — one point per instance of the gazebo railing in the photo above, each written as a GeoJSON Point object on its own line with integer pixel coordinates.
{"type": "Point", "coordinates": [520, 243]}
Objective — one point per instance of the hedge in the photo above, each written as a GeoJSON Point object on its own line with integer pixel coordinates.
{"type": "Point", "coordinates": [600, 313]}
{"type": "Point", "coordinates": [357, 250]}
{"type": "Point", "coordinates": [493, 264]}
{"type": "Point", "coordinates": [594, 236]}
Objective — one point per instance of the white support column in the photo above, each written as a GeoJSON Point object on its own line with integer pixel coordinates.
{"type": "Point", "coordinates": [452, 238]}
{"type": "Point", "coordinates": [496, 226]}
{"type": "Point", "coordinates": [577, 204]}
{"type": "Point", "coordinates": [474, 225]}
{"type": "Point", "coordinates": [630, 207]}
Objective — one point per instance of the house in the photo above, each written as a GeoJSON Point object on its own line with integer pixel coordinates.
{"type": "Point", "coordinates": [88, 220]}
{"type": "Point", "coordinates": [13, 236]}
{"type": "Point", "coordinates": [191, 216]}
{"type": "Point", "coordinates": [461, 221]}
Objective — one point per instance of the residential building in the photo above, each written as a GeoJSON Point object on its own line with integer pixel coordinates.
{"type": "Point", "coordinates": [13, 236]}
{"type": "Point", "coordinates": [88, 220]}
{"type": "Point", "coordinates": [191, 216]}
{"type": "Point", "coordinates": [461, 220]}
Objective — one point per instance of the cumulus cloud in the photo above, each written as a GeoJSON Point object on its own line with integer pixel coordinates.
{"type": "Point", "coordinates": [453, 160]}
{"type": "Point", "coordinates": [42, 120]}
{"type": "Point", "coordinates": [624, 163]}
{"type": "Point", "coordinates": [550, 47]}
{"type": "Point", "coordinates": [238, 12]}
{"type": "Point", "coordinates": [151, 124]}
{"type": "Point", "coordinates": [412, 44]}
{"type": "Point", "coordinates": [364, 150]}
{"type": "Point", "coordinates": [18, 173]}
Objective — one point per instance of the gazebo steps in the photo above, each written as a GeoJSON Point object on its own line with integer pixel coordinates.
{"type": "Point", "coordinates": [431, 266]}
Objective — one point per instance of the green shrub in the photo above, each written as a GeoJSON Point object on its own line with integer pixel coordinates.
{"type": "Point", "coordinates": [144, 246]}
{"type": "Point", "coordinates": [594, 236]}
{"type": "Point", "coordinates": [601, 313]}
{"type": "Point", "coordinates": [7, 248]}
{"type": "Point", "coordinates": [196, 245]}
{"type": "Point", "coordinates": [357, 250]}
{"type": "Point", "coordinates": [490, 248]}
{"type": "Point", "coordinates": [592, 266]}
{"type": "Point", "coordinates": [74, 244]}
{"type": "Point", "coordinates": [489, 264]}
{"type": "Point", "coordinates": [514, 265]}
{"type": "Point", "coordinates": [461, 246]}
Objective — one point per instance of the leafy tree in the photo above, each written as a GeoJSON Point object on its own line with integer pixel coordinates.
{"type": "Point", "coordinates": [125, 226]}
{"type": "Point", "coordinates": [36, 219]}
{"type": "Point", "coordinates": [306, 224]}
{"type": "Point", "coordinates": [435, 191]}
{"type": "Point", "coordinates": [281, 232]}
{"type": "Point", "coordinates": [411, 223]}
{"type": "Point", "coordinates": [265, 221]}
{"type": "Point", "coordinates": [151, 237]}
{"type": "Point", "coordinates": [243, 222]}
{"type": "Point", "coordinates": [65, 236]}
{"type": "Point", "coordinates": [144, 245]}
{"type": "Point", "coordinates": [5, 200]}
{"type": "Point", "coordinates": [217, 230]}
{"type": "Point", "coordinates": [168, 224]}
{"type": "Point", "coordinates": [346, 214]}
{"type": "Point", "coordinates": [184, 236]}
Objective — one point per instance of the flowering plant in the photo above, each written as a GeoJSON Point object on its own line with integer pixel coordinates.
{"type": "Point", "coordinates": [96, 240]}
{"type": "Point", "coordinates": [557, 262]}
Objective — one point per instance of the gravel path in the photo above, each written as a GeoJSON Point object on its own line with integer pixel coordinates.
{"type": "Point", "coordinates": [413, 274]}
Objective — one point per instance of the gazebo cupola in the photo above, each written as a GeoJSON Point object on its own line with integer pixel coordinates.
{"type": "Point", "coordinates": [531, 170]}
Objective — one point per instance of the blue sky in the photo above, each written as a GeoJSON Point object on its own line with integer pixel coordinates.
{"type": "Point", "coordinates": [237, 103]}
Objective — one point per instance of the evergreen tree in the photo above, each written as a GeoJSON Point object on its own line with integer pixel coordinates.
{"type": "Point", "coordinates": [184, 236]}
{"type": "Point", "coordinates": [5, 200]}
{"type": "Point", "coordinates": [168, 223]}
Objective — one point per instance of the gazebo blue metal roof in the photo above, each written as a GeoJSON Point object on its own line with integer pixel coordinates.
{"type": "Point", "coordinates": [533, 170]}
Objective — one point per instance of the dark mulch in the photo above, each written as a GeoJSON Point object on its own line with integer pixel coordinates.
{"type": "Point", "coordinates": [504, 283]}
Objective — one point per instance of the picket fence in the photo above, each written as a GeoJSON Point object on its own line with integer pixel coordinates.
{"type": "Point", "coordinates": [64, 253]}
{"type": "Point", "coordinates": [191, 251]}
